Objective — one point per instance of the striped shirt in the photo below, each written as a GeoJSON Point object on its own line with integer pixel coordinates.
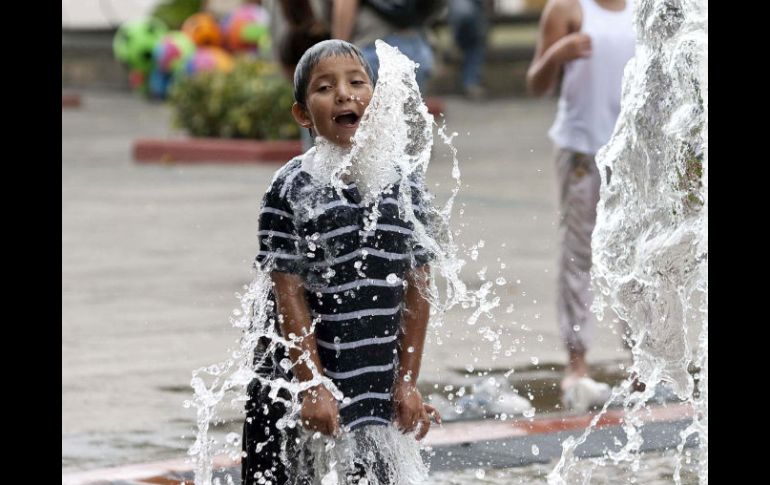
{"type": "Point", "coordinates": [354, 278]}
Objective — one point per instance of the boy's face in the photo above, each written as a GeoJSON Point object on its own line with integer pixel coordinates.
{"type": "Point", "coordinates": [337, 96]}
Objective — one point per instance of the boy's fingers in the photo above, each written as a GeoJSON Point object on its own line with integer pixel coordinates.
{"type": "Point", "coordinates": [423, 427]}
{"type": "Point", "coordinates": [433, 413]}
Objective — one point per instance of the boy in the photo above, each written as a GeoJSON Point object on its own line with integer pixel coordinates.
{"type": "Point", "coordinates": [349, 296]}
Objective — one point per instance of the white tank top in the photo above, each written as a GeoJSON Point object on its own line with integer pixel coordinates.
{"type": "Point", "coordinates": [589, 102]}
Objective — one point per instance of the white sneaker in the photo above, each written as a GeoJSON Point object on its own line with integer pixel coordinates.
{"type": "Point", "coordinates": [498, 397]}
{"type": "Point", "coordinates": [510, 403]}
{"type": "Point", "coordinates": [585, 393]}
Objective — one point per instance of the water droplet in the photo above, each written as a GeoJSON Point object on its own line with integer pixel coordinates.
{"type": "Point", "coordinates": [392, 279]}
{"type": "Point", "coordinates": [535, 450]}
{"type": "Point", "coordinates": [576, 328]}
{"type": "Point", "coordinates": [500, 281]}
{"type": "Point", "coordinates": [529, 413]}
{"type": "Point", "coordinates": [233, 438]}
{"type": "Point", "coordinates": [480, 473]}
{"type": "Point", "coordinates": [410, 349]}
{"type": "Point", "coordinates": [534, 360]}
{"type": "Point", "coordinates": [482, 274]}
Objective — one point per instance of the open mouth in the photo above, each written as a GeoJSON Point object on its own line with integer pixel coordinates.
{"type": "Point", "coordinates": [347, 119]}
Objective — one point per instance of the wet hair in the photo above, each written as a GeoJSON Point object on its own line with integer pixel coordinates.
{"type": "Point", "coordinates": [314, 55]}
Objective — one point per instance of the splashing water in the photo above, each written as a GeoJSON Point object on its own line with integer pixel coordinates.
{"type": "Point", "coordinates": [393, 143]}
{"type": "Point", "coordinates": [650, 245]}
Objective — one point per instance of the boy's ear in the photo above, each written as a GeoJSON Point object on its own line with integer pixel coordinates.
{"type": "Point", "coordinates": [301, 115]}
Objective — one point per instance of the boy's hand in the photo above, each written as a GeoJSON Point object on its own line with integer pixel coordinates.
{"type": "Point", "coordinates": [411, 413]}
{"type": "Point", "coordinates": [319, 411]}
{"type": "Point", "coordinates": [574, 46]}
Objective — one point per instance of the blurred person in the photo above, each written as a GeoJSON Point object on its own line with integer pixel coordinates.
{"type": "Point", "coordinates": [589, 42]}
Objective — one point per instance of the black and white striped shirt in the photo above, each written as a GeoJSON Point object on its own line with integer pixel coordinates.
{"type": "Point", "coordinates": [354, 278]}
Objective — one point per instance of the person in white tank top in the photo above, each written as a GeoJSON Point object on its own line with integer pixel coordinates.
{"type": "Point", "coordinates": [589, 42]}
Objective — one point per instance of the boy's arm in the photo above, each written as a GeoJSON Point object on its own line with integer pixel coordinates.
{"type": "Point", "coordinates": [319, 408]}
{"type": "Point", "coordinates": [414, 325]}
{"type": "Point", "coordinates": [410, 410]}
{"type": "Point", "coordinates": [558, 42]}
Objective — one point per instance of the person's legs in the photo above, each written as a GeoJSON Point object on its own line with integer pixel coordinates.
{"type": "Point", "coordinates": [357, 476]}
{"type": "Point", "coordinates": [374, 471]}
{"type": "Point", "coordinates": [469, 25]}
{"type": "Point", "coordinates": [412, 45]}
{"type": "Point", "coordinates": [262, 441]}
{"type": "Point", "coordinates": [579, 184]}
{"type": "Point", "coordinates": [370, 54]}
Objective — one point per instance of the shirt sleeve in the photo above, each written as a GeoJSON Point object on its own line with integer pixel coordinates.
{"type": "Point", "coordinates": [280, 246]}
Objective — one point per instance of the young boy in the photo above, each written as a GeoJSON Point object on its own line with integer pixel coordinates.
{"type": "Point", "coordinates": [350, 297]}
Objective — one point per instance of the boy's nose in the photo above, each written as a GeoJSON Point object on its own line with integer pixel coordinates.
{"type": "Point", "coordinates": [342, 94]}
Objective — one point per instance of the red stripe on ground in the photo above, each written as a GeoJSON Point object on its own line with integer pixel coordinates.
{"type": "Point", "coordinates": [70, 100]}
{"type": "Point", "coordinates": [474, 431]}
{"type": "Point", "coordinates": [450, 433]}
{"type": "Point", "coordinates": [194, 150]}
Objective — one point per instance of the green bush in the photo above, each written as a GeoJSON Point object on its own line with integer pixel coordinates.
{"type": "Point", "coordinates": [252, 101]}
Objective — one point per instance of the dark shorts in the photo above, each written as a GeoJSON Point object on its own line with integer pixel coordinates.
{"type": "Point", "coordinates": [262, 414]}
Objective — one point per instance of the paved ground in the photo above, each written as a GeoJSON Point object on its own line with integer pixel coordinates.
{"type": "Point", "coordinates": [152, 257]}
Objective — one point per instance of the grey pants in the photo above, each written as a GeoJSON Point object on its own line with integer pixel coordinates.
{"type": "Point", "coordinates": [579, 182]}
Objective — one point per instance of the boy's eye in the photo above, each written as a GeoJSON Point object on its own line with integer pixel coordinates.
{"type": "Point", "coordinates": [358, 81]}
{"type": "Point", "coordinates": [324, 87]}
